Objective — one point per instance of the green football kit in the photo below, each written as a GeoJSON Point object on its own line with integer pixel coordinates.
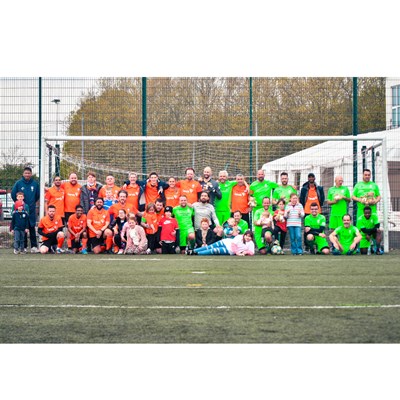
{"type": "Point", "coordinates": [184, 216]}
{"type": "Point", "coordinates": [361, 189]}
{"type": "Point", "coordinates": [317, 225]}
{"type": "Point", "coordinates": [340, 208]}
{"type": "Point", "coordinates": [223, 205]}
{"type": "Point", "coordinates": [346, 236]}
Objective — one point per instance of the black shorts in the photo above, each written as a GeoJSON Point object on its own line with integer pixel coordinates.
{"type": "Point", "coordinates": [94, 242]}
{"type": "Point", "coordinates": [50, 241]}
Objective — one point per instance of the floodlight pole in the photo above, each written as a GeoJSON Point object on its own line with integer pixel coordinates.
{"type": "Point", "coordinates": [57, 146]}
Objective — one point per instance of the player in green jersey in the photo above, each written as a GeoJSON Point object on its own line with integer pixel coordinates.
{"type": "Point", "coordinates": [261, 244]}
{"type": "Point", "coordinates": [241, 223]}
{"type": "Point", "coordinates": [314, 226]}
{"type": "Point", "coordinates": [338, 198]}
{"type": "Point", "coordinates": [369, 227]}
{"type": "Point", "coordinates": [283, 191]}
{"type": "Point", "coordinates": [223, 205]}
{"type": "Point", "coordinates": [345, 238]}
{"type": "Point", "coordinates": [366, 193]}
{"type": "Point", "coordinates": [183, 214]}
{"type": "Point", "coordinates": [260, 189]}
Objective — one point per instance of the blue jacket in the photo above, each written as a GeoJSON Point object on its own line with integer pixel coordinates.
{"type": "Point", "coordinates": [31, 192]}
{"type": "Point", "coordinates": [20, 221]}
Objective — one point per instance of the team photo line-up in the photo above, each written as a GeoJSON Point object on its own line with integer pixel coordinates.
{"type": "Point", "coordinates": [195, 216]}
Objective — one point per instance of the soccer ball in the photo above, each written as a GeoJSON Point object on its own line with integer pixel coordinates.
{"type": "Point", "coordinates": [276, 249]}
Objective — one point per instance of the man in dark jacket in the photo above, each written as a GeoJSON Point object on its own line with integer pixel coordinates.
{"type": "Point", "coordinates": [90, 192]}
{"type": "Point", "coordinates": [30, 189]}
{"type": "Point", "coordinates": [311, 193]}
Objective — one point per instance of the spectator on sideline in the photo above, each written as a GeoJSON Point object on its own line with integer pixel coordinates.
{"type": "Point", "coordinates": [51, 229]}
{"type": "Point", "coordinates": [98, 221]}
{"type": "Point", "coordinates": [311, 193]}
{"type": "Point", "coordinates": [366, 193]}
{"type": "Point", "coordinates": [294, 212]}
{"type": "Point", "coordinates": [314, 227]}
{"type": "Point", "coordinates": [345, 238]}
{"type": "Point", "coordinates": [117, 225]}
{"type": "Point", "coordinates": [210, 185]}
{"type": "Point", "coordinates": [90, 192]}
{"type": "Point", "coordinates": [203, 209]}
{"type": "Point", "coordinates": [338, 198]}
{"type": "Point", "coordinates": [30, 188]}
{"type": "Point", "coordinates": [241, 245]}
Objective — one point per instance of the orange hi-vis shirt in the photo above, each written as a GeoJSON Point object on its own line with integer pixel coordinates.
{"type": "Point", "coordinates": [114, 209]}
{"type": "Point", "coordinates": [72, 196]}
{"type": "Point", "coordinates": [56, 198]}
{"type": "Point", "coordinates": [98, 218]}
{"type": "Point", "coordinates": [133, 195]}
{"type": "Point", "coordinates": [240, 199]}
{"type": "Point", "coordinates": [115, 189]}
{"type": "Point", "coordinates": [172, 196]}
{"type": "Point", "coordinates": [151, 219]}
{"type": "Point", "coordinates": [77, 225]}
{"type": "Point", "coordinates": [50, 225]}
{"type": "Point", "coordinates": [151, 193]}
{"type": "Point", "coordinates": [311, 198]}
{"type": "Point", "coordinates": [190, 189]}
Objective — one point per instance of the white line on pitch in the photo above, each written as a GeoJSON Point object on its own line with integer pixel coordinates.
{"type": "Point", "coordinates": [189, 286]}
{"type": "Point", "coordinates": [93, 306]}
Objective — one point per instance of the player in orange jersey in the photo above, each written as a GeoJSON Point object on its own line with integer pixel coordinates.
{"type": "Point", "coordinates": [50, 227]}
{"type": "Point", "coordinates": [134, 188]}
{"type": "Point", "coordinates": [122, 204]}
{"type": "Point", "coordinates": [189, 186]}
{"type": "Point", "coordinates": [55, 196]}
{"type": "Point", "coordinates": [77, 230]}
{"type": "Point", "coordinates": [72, 196]}
{"type": "Point", "coordinates": [110, 184]}
{"type": "Point", "coordinates": [172, 193]}
{"type": "Point", "coordinates": [154, 188]}
{"type": "Point", "coordinates": [98, 220]}
{"type": "Point", "coordinates": [240, 198]}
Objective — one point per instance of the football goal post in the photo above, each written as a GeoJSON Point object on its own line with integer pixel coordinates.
{"type": "Point", "coordinates": [325, 156]}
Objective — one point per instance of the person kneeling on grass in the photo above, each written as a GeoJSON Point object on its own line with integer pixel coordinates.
{"type": "Point", "coordinates": [51, 229]}
{"type": "Point", "coordinates": [241, 245]}
{"type": "Point", "coordinates": [136, 238]}
{"type": "Point", "coordinates": [345, 238]}
{"type": "Point", "coordinates": [314, 225]}
{"type": "Point", "coordinates": [369, 227]}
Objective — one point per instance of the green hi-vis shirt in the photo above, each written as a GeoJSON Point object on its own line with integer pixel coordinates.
{"type": "Point", "coordinates": [346, 235]}
{"type": "Point", "coordinates": [243, 225]}
{"type": "Point", "coordinates": [224, 204]}
{"type": "Point", "coordinates": [183, 216]}
{"type": "Point", "coordinates": [315, 222]}
{"type": "Point", "coordinates": [364, 223]}
{"type": "Point", "coordinates": [361, 189]}
{"type": "Point", "coordinates": [283, 192]}
{"type": "Point", "coordinates": [262, 189]}
{"type": "Point", "coordinates": [340, 208]}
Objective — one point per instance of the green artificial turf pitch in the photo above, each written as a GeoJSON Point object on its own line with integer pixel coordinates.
{"type": "Point", "coordinates": [193, 299]}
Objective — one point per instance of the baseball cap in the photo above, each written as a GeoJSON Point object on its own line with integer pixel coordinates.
{"type": "Point", "coordinates": [19, 204]}
{"type": "Point", "coordinates": [168, 208]}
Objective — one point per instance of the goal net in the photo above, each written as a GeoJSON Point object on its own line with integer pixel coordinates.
{"type": "Point", "coordinates": [325, 156]}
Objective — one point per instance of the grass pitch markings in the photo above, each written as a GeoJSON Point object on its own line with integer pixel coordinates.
{"type": "Point", "coordinates": [222, 307]}
{"type": "Point", "coordinates": [190, 286]}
